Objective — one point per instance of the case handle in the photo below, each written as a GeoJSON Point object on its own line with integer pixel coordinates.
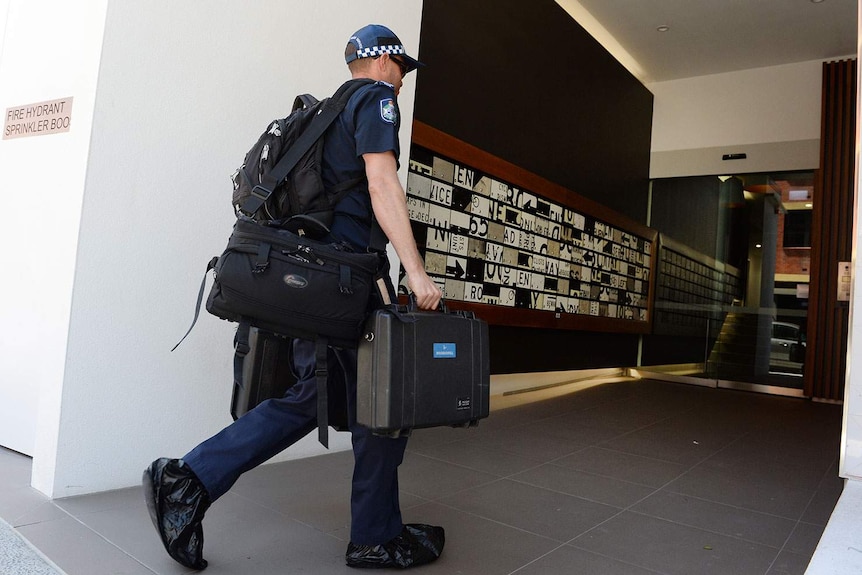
{"type": "Point", "coordinates": [413, 306]}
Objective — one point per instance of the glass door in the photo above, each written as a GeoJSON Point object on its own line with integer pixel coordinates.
{"type": "Point", "coordinates": [732, 281]}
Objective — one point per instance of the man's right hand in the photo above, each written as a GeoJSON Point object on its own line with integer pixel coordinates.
{"type": "Point", "coordinates": [427, 293]}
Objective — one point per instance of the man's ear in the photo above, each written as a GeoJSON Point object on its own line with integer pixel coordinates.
{"type": "Point", "coordinates": [381, 63]}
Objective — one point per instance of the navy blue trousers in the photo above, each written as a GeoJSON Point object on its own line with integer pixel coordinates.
{"type": "Point", "coordinates": [276, 424]}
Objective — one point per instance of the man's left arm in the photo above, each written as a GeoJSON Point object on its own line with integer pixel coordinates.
{"type": "Point", "coordinates": [390, 208]}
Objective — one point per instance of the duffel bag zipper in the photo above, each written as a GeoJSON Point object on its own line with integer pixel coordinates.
{"type": "Point", "coordinates": [303, 253]}
{"type": "Point", "coordinates": [298, 255]}
{"type": "Point", "coordinates": [334, 256]}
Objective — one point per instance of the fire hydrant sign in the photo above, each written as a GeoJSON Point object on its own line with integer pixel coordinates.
{"type": "Point", "coordinates": [39, 119]}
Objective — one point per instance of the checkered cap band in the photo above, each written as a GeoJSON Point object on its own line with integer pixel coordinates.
{"type": "Point", "coordinates": [373, 51]}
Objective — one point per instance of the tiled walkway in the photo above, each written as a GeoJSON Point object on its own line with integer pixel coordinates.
{"type": "Point", "coordinates": [629, 478]}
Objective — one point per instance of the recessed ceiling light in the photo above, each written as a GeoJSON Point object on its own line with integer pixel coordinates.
{"type": "Point", "coordinates": [816, 1]}
{"type": "Point", "coordinates": [665, 27]}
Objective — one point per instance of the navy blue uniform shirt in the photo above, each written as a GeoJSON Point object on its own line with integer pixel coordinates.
{"type": "Point", "coordinates": [368, 124]}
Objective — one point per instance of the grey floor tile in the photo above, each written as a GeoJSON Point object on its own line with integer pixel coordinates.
{"type": "Point", "coordinates": [732, 521]}
{"type": "Point", "coordinates": [820, 508]}
{"type": "Point", "coordinates": [496, 420]}
{"type": "Point", "coordinates": [573, 561]}
{"type": "Point", "coordinates": [476, 545]}
{"type": "Point", "coordinates": [567, 426]}
{"type": "Point", "coordinates": [774, 462]}
{"type": "Point", "coordinates": [47, 511]}
{"type": "Point", "coordinates": [275, 479]}
{"type": "Point", "coordinates": [761, 476]}
{"type": "Point", "coordinates": [625, 466]}
{"type": "Point", "coordinates": [478, 456]}
{"type": "Point", "coordinates": [665, 400]}
{"type": "Point", "coordinates": [234, 528]}
{"type": "Point", "coordinates": [789, 563]}
{"type": "Point", "coordinates": [804, 539]}
{"type": "Point", "coordinates": [674, 549]}
{"type": "Point", "coordinates": [543, 512]}
{"type": "Point", "coordinates": [530, 441]}
{"type": "Point", "coordinates": [431, 478]}
{"type": "Point", "coordinates": [15, 469]}
{"type": "Point", "coordinates": [408, 500]}
{"type": "Point", "coordinates": [606, 490]}
{"type": "Point", "coordinates": [779, 496]}
{"type": "Point", "coordinates": [434, 436]}
{"type": "Point", "coordinates": [255, 565]}
{"type": "Point", "coordinates": [119, 498]}
{"type": "Point", "coordinates": [812, 435]}
{"type": "Point", "coordinates": [316, 562]}
{"type": "Point", "coordinates": [130, 529]}
{"type": "Point", "coordinates": [673, 443]}
{"type": "Point", "coordinates": [315, 493]}
{"type": "Point", "coordinates": [553, 407]}
{"type": "Point", "coordinates": [78, 550]}
{"type": "Point", "coordinates": [16, 496]}
{"type": "Point", "coordinates": [20, 501]}
{"type": "Point", "coordinates": [275, 545]}
{"type": "Point", "coordinates": [613, 416]}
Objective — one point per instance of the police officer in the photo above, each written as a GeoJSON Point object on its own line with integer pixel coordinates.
{"type": "Point", "coordinates": [362, 141]}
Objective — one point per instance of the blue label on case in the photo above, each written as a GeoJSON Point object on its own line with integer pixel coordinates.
{"type": "Point", "coordinates": [445, 350]}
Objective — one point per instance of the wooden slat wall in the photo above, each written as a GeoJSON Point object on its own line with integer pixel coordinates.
{"type": "Point", "coordinates": [831, 233]}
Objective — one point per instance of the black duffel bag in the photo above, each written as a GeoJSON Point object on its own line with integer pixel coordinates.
{"type": "Point", "coordinates": [292, 285]}
{"type": "Point", "coordinates": [274, 279]}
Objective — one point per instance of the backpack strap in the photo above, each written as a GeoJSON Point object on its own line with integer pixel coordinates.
{"type": "Point", "coordinates": [315, 130]}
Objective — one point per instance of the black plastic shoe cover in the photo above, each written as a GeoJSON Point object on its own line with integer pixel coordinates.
{"type": "Point", "coordinates": [417, 544]}
{"type": "Point", "coordinates": [177, 501]}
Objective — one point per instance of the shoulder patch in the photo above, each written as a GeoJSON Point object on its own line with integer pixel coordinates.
{"type": "Point", "coordinates": [387, 110]}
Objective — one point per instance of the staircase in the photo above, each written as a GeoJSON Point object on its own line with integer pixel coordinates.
{"type": "Point", "coordinates": [734, 354]}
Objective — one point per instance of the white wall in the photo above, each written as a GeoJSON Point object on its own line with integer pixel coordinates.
{"type": "Point", "coordinates": [771, 114]}
{"type": "Point", "coordinates": [48, 50]}
{"type": "Point", "coordinates": [184, 89]}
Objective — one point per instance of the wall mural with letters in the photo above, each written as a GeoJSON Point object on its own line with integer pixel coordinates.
{"type": "Point", "coordinates": [494, 235]}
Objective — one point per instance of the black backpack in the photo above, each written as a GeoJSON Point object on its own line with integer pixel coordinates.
{"type": "Point", "coordinates": [280, 180]}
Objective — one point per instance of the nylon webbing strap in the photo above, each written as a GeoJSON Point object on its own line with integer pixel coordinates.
{"type": "Point", "coordinates": [378, 238]}
{"type": "Point", "coordinates": [344, 279]}
{"type": "Point", "coordinates": [321, 372]}
{"type": "Point", "coordinates": [210, 266]}
{"type": "Point", "coordinates": [241, 349]}
{"type": "Point", "coordinates": [262, 261]}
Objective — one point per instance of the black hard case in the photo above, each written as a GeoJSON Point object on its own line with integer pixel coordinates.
{"type": "Point", "coordinates": [263, 372]}
{"type": "Point", "coordinates": [422, 369]}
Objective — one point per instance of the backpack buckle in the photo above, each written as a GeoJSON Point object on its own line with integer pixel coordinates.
{"type": "Point", "coordinates": [258, 196]}
{"type": "Point", "coordinates": [261, 192]}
